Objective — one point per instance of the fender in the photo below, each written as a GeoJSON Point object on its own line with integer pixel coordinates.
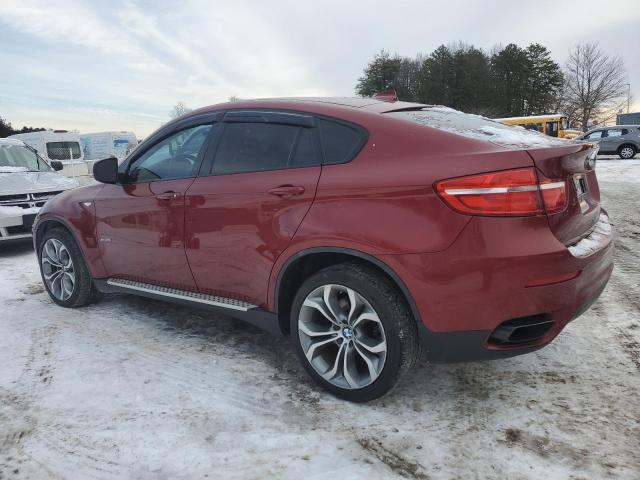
{"type": "Point", "coordinates": [278, 273]}
{"type": "Point", "coordinates": [88, 244]}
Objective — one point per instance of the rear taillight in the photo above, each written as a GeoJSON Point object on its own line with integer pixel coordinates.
{"type": "Point", "coordinates": [508, 192]}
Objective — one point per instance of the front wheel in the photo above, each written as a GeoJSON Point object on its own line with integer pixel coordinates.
{"type": "Point", "coordinates": [64, 272]}
{"type": "Point", "coordinates": [353, 331]}
{"type": "Point", "coordinates": [627, 151]}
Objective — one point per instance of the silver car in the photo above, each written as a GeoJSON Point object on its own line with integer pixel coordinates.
{"type": "Point", "coordinates": [27, 181]}
{"type": "Point", "coordinates": [622, 140]}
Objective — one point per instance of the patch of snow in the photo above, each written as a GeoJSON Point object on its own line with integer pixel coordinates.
{"type": "Point", "coordinates": [7, 169]}
{"type": "Point", "coordinates": [600, 237]}
{"type": "Point", "coordinates": [10, 142]}
{"type": "Point", "coordinates": [479, 128]}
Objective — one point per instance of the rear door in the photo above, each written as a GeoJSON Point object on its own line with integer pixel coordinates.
{"type": "Point", "coordinates": [250, 198]}
{"type": "Point", "coordinates": [613, 139]}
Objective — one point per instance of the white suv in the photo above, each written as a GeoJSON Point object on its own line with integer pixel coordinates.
{"type": "Point", "coordinates": [27, 181]}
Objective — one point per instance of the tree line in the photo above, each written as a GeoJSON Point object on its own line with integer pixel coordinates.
{"type": "Point", "coordinates": [509, 81]}
{"type": "Point", "coordinates": [6, 129]}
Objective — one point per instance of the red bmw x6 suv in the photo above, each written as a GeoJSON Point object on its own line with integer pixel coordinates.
{"type": "Point", "coordinates": [366, 230]}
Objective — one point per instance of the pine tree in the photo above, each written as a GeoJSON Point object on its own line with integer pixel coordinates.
{"type": "Point", "coordinates": [544, 81]}
{"type": "Point", "coordinates": [509, 72]}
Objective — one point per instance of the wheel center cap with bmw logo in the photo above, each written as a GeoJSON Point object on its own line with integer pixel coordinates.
{"type": "Point", "coordinates": [347, 333]}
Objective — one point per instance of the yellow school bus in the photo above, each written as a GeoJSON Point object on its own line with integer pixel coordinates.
{"type": "Point", "coordinates": [554, 125]}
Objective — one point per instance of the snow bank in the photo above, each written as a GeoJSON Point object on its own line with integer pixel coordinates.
{"type": "Point", "coordinates": [599, 238]}
{"type": "Point", "coordinates": [478, 127]}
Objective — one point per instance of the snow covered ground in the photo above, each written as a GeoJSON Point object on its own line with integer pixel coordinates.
{"type": "Point", "coordinates": [133, 388]}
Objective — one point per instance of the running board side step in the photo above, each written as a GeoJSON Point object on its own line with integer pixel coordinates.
{"type": "Point", "coordinates": [239, 309]}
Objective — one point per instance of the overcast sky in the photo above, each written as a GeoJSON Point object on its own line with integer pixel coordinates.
{"type": "Point", "coordinates": [122, 64]}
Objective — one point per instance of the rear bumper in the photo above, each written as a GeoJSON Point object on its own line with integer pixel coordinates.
{"type": "Point", "coordinates": [484, 279]}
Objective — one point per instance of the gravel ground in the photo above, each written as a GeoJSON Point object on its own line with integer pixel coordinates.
{"type": "Point", "coordinates": [133, 388]}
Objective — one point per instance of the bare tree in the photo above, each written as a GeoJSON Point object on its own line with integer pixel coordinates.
{"type": "Point", "coordinates": [595, 83]}
{"type": "Point", "coordinates": [178, 110]}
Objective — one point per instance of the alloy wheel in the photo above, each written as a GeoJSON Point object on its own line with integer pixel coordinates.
{"type": "Point", "coordinates": [626, 152]}
{"type": "Point", "coordinates": [57, 269]}
{"type": "Point", "coordinates": [342, 336]}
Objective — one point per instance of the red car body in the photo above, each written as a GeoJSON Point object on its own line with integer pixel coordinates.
{"type": "Point", "coordinates": [253, 236]}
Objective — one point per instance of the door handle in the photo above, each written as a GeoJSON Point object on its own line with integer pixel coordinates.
{"type": "Point", "coordinates": [287, 191]}
{"type": "Point", "coordinates": [167, 196]}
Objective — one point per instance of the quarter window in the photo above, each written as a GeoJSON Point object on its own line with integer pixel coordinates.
{"type": "Point", "coordinates": [174, 157]}
{"type": "Point", "coordinates": [340, 142]}
{"type": "Point", "coordinates": [255, 147]}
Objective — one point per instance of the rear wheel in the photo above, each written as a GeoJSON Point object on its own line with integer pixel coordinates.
{"type": "Point", "coordinates": [64, 272]}
{"type": "Point", "coordinates": [353, 331]}
{"type": "Point", "coordinates": [627, 151]}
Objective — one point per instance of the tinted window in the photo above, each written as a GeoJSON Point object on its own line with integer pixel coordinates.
{"type": "Point", "coordinates": [340, 142]}
{"type": "Point", "coordinates": [254, 147]}
{"type": "Point", "coordinates": [173, 157]}
{"type": "Point", "coordinates": [63, 150]}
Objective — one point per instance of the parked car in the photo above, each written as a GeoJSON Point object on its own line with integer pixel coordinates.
{"type": "Point", "coordinates": [363, 229]}
{"type": "Point", "coordinates": [27, 181]}
{"type": "Point", "coordinates": [622, 140]}
{"type": "Point", "coordinates": [99, 145]}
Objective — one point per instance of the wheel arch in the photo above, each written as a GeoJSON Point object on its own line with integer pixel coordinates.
{"type": "Point", "coordinates": [627, 144]}
{"type": "Point", "coordinates": [306, 262]}
{"type": "Point", "coordinates": [52, 222]}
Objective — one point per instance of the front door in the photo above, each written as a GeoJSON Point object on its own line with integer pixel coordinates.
{"type": "Point", "coordinates": [140, 222]}
{"type": "Point", "coordinates": [245, 210]}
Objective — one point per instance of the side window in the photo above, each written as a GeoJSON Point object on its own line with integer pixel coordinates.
{"type": "Point", "coordinates": [595, 135]}
{"type": "Point", "coordinates": [174, 157]}
{"type": "Point", "coordinates": [340, 142]}
{"type": "Point", "coordinates": [615, 132]}
{"type": "Point", "coordinates": [63, 150]}
{"type": "Point", "coordinates": [255, 147]}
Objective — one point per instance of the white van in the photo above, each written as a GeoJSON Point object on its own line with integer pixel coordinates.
{"type": "Point", "coordinates": [100, 145]}
{"type": "Point", "coordinates": [57, 145]}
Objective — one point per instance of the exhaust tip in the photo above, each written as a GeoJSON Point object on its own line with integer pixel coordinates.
{"type": "Point", "coordinates": [522, 330]}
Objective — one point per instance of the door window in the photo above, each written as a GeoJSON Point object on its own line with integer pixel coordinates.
{"type": "Point", "coordinates": [552, 129]}
{"type": "Point", "coordinates": [594, 135]}
{"type": "Point", "coordinates": [255, 147]}
{"type": "Point", "coordinates": [177, 156]}
{"type": "Point", "coordinates": [615, 132]}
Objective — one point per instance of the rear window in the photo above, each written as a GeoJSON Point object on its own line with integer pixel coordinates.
{"type": "Point", "coordinates": [340, 142]}
{"type": "Point", "coordinates": [63, 150]}
{"type": "Point", "coordinates": [476, 127]}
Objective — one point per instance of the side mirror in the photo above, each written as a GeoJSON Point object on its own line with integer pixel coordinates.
{"type": "Point", "coordinates": [106, 171]}
{"type": "Point", "coordinates": [56, 165]}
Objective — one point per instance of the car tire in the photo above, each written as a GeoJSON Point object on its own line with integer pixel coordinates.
{"type": "Point", "coordinates": [627, 152]}
{"type": "Point", "coordinates": [350, 362]}
{"type": "Point", "coordinates": [64, 272]}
